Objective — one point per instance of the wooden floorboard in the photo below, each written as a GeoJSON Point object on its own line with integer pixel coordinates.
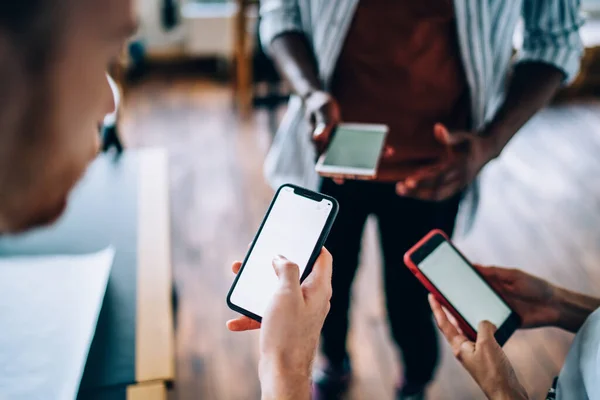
{"type": "Point", "coordinates": [540, 211]}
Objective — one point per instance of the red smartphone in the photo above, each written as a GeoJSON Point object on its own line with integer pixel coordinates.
{"type": "Point", "coordinates": [459, 287]}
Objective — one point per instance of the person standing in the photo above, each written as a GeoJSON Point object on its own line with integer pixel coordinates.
{"type": "Point", "coordinates": [442, 76]}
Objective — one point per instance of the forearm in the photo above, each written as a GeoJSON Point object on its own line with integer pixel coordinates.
{"type": "Point", "coordinates": [296, 62]}
{"type": "Point", "coordinates": [532, 87]}
{"type": "Point", "coordinates": [573, 309]}
{"type": "Point", "coordinates": [280, 383]}
{"type": "Point", "coordinates": [505, 388]}
{"type": "Point", "coordinates": [510, 394]}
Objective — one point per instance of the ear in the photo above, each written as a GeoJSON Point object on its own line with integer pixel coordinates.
{"type": "Point", "coordinates": [116, 93]}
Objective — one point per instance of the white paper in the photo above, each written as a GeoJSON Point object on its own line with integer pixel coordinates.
{"type": "Point", "coordinates": [49, 308]}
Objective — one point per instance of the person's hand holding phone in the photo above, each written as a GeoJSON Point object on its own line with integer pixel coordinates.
{"type": "Point", "coordinates": [323, 114]}
{"type": "Point", "coordinates": [290, 328]}
{"type": "Point", "coordinates": [531, 297]}
{"type": "Point", "coordinates": [484, 359]}
{"type": "Point", "coordinates": [467, 154]}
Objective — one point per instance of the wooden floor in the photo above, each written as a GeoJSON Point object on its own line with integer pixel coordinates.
{"type": "Point", "coordinates": [540, 211]}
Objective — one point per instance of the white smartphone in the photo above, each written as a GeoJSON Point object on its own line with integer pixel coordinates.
{"type": "Point", "coordinates": [354, 152]}
{"type": "Point", "coordinates": [296, 227]}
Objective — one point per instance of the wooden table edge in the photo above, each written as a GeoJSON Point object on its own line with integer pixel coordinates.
{"type": "Point", "coordinates": [155, 348]}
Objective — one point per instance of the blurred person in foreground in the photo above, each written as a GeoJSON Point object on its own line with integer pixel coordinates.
{"type": "Point", "coordinates": [441, 74]}
{"type": "Point", "coordinates": [54, 95]}
{"type": "Point", "coordinates": [539, 304]}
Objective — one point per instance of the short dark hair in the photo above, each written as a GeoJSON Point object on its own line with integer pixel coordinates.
{"type": "Point", "coordinates": [16, 16]}
{"type": "Point", "coordinates": [31, 24]}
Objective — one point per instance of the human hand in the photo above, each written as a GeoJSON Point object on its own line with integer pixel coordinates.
{"type": "Point", "coordinates": [291, 327]}
{"type": "Point", "coordinates": [530, 297]}
{"type": "Point", "coordinates": [388, 152]}
{"type": "Point", "coordinates": [323, 113]}
{"type": "Point", "coordinates": [467, 153]}
{"type": "Point", "coordinates": [484, 360]}
{"type": "Point", "coordinates": [241, 323]}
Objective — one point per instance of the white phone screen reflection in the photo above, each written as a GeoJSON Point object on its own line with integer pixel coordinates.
{"type": "Point", "coordinates": [292, 229]}
{"type": "Point", "coordinates": [463, 287]}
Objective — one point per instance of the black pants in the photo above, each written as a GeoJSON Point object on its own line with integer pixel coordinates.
{"type": "Point", "coordinates": [402, 222]}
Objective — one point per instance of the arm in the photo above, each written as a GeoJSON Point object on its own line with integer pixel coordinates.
{"type": "Point", "coordinates": [532, 87]}
{"type": "Point", "coordinates": [573, 309]}
{"type": "Point", "coordinates": [294, 57]}
{"type": "Point", "coordinates": [551, 55]}
{"type": "Point", "coordinates": [283, 38]}
{"type": "Point", "coordinates": [278, 384]}
{"type": "Point", "coordinates": [296, 63]}
{"type": "Point", "coordinates": [538, 302]}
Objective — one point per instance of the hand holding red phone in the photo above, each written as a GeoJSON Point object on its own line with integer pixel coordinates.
{"type": "Point", "coordinates": [484, 359]}
{"type": "Point", "coordinates": [531, 297]}
{"type": "Point", "coordinates": [447, 273]}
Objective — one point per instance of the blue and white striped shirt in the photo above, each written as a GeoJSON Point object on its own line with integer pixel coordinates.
{"type": "Point", "coordinates": [485, 31]}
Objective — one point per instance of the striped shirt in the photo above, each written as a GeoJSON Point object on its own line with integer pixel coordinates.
{"type": "Point", "coordinates": [485, 31]}
{"type": "Point", "coordinates": [579, 378]}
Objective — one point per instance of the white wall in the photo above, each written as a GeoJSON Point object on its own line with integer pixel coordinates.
{"type": "Point", "coordinates": [204, 30]}
{"type": "Point", "coordinates": [151, 32]}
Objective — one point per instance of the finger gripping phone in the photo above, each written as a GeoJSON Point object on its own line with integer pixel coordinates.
{"type": "Point", "coordinates": [295, 226]}
{"type": "Point", "coordinates": [459, 287]}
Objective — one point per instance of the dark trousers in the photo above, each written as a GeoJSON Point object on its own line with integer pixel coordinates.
{"type": "Point", "coordinates": [402, 222]}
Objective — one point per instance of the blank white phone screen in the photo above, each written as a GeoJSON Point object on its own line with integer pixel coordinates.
{"type": "Point", "coordinates": [463, 287]}
{"type": "Point", "coordinates": [355, 148]}
{"type": "Point", "coordinates": [292, 229]}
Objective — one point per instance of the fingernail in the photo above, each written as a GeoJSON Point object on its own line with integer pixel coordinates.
{"type": "Point", "coordinates": [319, 129]}
{"type": "Point", "coordinates": [279, 257]}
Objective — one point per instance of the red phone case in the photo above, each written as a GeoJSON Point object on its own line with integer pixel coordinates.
{"type": "Point", "coordinates": [464, 326]}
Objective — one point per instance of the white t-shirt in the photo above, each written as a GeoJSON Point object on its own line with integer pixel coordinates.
{"type": "Point", "coordinates": [579, 378]}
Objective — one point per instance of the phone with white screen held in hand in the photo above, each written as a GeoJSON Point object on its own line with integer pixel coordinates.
{"type": "Point", "coordinates": [354, 152]}
{"type": "Point", "coordinates": [296, 226]}
{"type": "Point", "coordinates": [459, 287]}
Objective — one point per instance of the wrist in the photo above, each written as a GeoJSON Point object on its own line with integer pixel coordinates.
{"type": "Point", "coordinates": [315, 96]}
{"type": "Point", "coordinates": [558, 303]}
{"type": "Point", "coordinates": [282, 381]}
{"type": "Point", "coordinates": [493, 143]}
{"type": "Point", "coordinates": [573, 309]}
{"type": "Point", "coordinates": [307, 94]}
{"type": "Point", "coordinates": [511, 393]}
{"type": "Point", "coordinates": [547, 308]}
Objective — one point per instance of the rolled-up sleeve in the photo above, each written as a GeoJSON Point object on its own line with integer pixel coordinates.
{"type": "Point", "coordinates": [552, 34]}
{"type": "Point", "coordinates": [277, 17]}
